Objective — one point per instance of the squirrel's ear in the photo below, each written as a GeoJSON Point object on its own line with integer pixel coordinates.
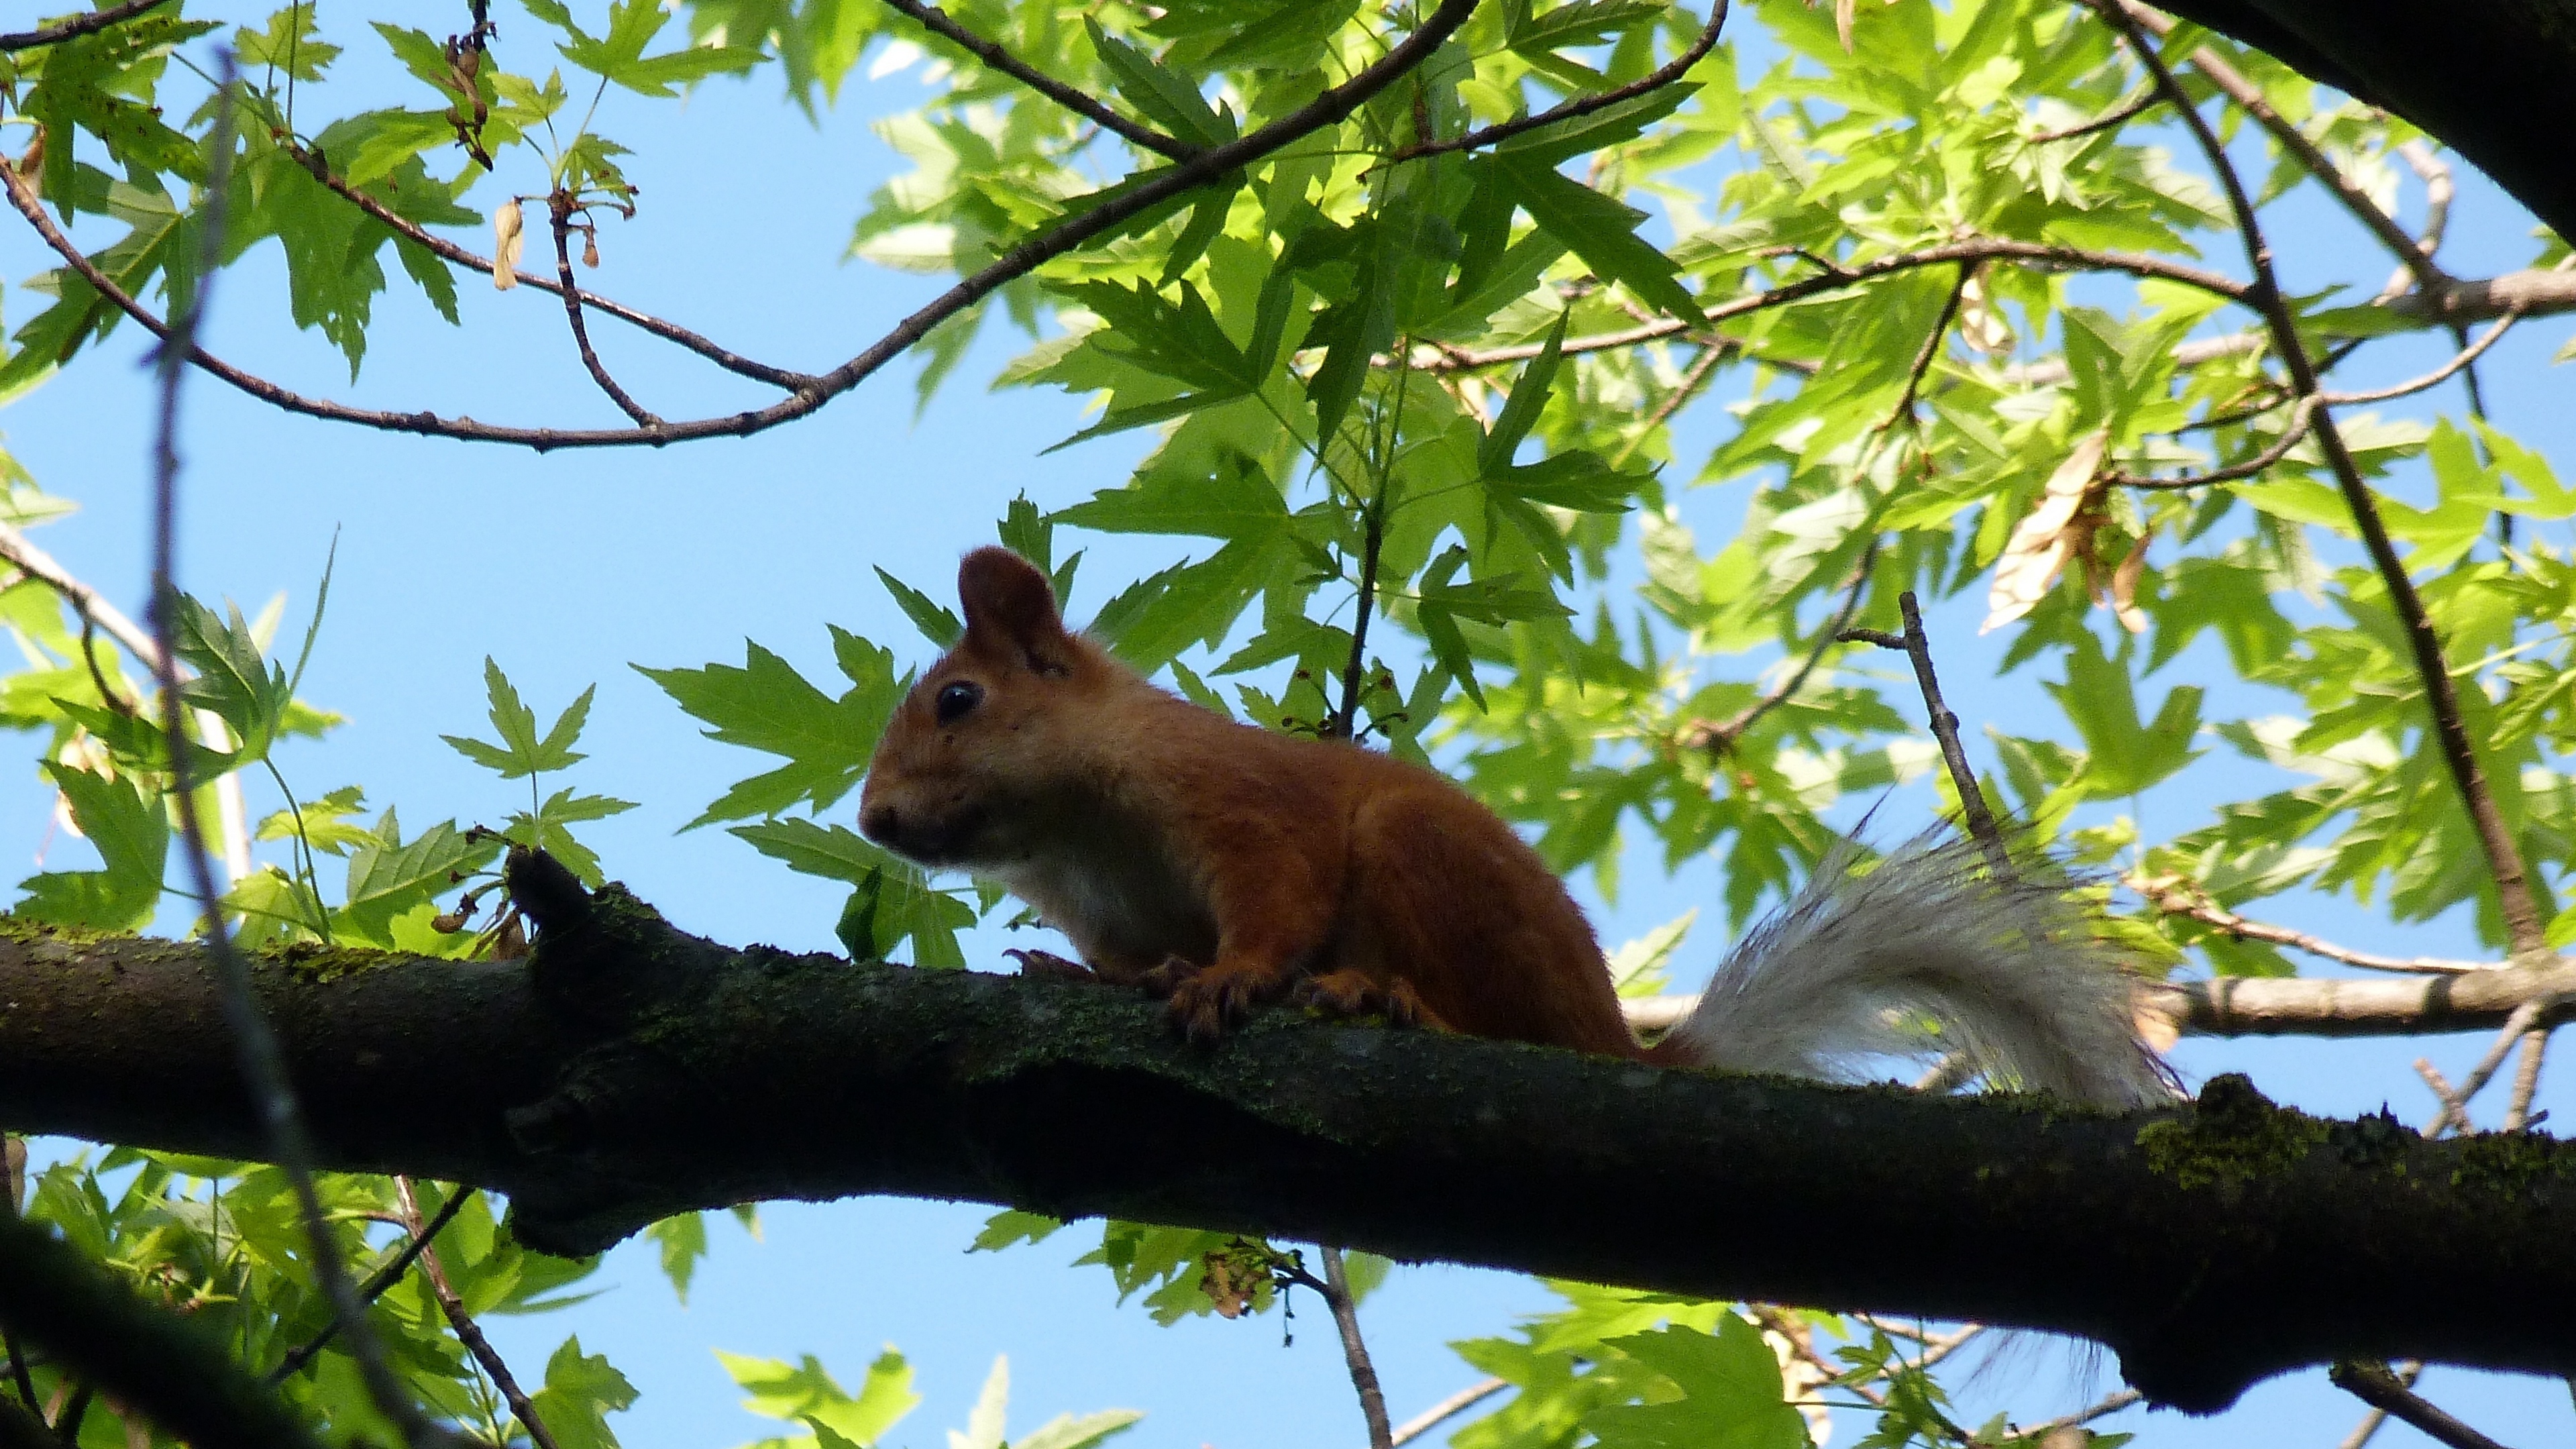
{"type": "Point", "coordinates": [1010, 607]}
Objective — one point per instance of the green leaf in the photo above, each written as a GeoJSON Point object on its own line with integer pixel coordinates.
{"type": "Point", "coordinates": [682, 1238]}
{"type": "Point", "coordinates": [1520, 411]}
{"type": "Point", "coordinates": [1731, 1393]}
{"type": "Point", "coordinates": [132, 835]}
{"type": "Point", "coordinates": [1160, 92]}
{"type": "Point", "coordinates": [808, 1394]}
{"type": "Point", "coordinates": [935, 622]}
{"type": "Point", "coordinates": [581, 1391]}
{"type": "Point", "coordinates": [521, 753]}
{"type": "Point", "coordinates": [620, 57]}
{"type": "Point", "coordinates": [764, 704]}
{"type": "Point", "coordinates": [1600, 229]}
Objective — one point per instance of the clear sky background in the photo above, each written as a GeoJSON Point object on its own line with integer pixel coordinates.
{"type": "Point", "coordinates": [568, 568]}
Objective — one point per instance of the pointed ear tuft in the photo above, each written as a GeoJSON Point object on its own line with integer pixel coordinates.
{"type": "Point", "coordinates": [1010, 609]}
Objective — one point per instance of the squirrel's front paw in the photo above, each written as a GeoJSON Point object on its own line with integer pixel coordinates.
{"type": "Point", "coordinates": [1348, 995]}
{"type": "Point", "coordinates": [1210, 1000]}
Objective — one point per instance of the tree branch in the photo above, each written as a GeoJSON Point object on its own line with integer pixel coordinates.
{"type": "Point", "coordinates": [1355, 1354]}
{"type": "Point", "coordinates": [614, 1078]}
{"type": "Point", "coordinates": [468, 1332]}
{"type": "Point", "coordinates": [559, 208]}
{"type": "Point", "coordinates": [937, 21]}
{"type": "Point", "coordinates": [151, 1359]}
{"type": "Point", "coordinates": [1654, 80]}
{"type": "Point", "coordinates": [2238, 87]}
{"type": "Point", "coordinates": [76, 27]}
{"type": "Point", "coordinates": [2371, 1382]}
{"type": "Point", "coordinates": [455, 255]}
{"type": "Point", "coordinates": [1118, 206]}
{"type": "Point", "coordinates": [2175, 896]}
{"type": "Point", "coordinates": [2525, 926]}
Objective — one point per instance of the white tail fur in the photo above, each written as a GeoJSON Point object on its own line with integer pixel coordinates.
{"type": "Point", "coordinates": [2009, 969]}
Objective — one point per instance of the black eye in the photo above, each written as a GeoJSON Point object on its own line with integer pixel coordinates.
{"type": "Point", "coordinates": [956, 698]}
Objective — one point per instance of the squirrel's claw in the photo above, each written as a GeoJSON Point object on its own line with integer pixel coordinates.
{"type": "Point", "coordinates": [1212, 1000]}
{"type": "Point", "coordinates": [1348, 995]}
{"type": "Point", "coordinates": [1049, 964]}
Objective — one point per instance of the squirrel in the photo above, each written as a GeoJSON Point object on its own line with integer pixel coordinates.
{"type": "Point", "coordinates": [1223, 866]}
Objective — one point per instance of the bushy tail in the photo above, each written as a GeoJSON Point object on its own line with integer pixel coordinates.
{"type": "Point", "coordinates": [2008, 970]}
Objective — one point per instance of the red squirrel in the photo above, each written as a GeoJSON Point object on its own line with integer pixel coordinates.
{"type": "Point", "coordinates": [1223, 866]}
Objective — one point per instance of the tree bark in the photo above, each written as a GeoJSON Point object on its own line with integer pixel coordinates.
{"type": "Point", "coordinates": [2496, 81]}
{"type": "Point", "coordinates": [628, 1071]}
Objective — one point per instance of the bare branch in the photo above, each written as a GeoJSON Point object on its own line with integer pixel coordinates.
{"type": "Point", "coordinates": [2437, 376]}
{"type": "Point", "coordinates": [378, 1282]}
{"type": "Point", "coordinates": [2117, 116]}
{"type": "Point", "coordinates": [937, 21]}
{"type": "Point", "coordinates": [450, 252]}
{"type": "Point", "coordinates": [1836, 276]}
{"type": "Point", "coordinates": [1457, 1403]}
{"type": "Point", "coordinates": [2435, 173]}
{"type": "Point", "coordinates": [2362, 1432]}
{"type": "Point", "coordinates": [2526, 1079]}
{"type": "Point", "coordinates": [76, 27]}
{"type": "Point", "coordinates": [1654, 80]}
{"type": "Point", "coordinates": [560, 207]}
{"type": "Point", "coordinates": [2524, 925]}
{"type": "Point", "coordinates": [1346, 1318]}
{"type": "Point", "coordinates": [1722, 734]}
{"type": "Point", "coordinates": [2371, 1382]}
{"type": "Point", "coordinates": [2174, 896]}
{"type": "Point", "coordinates": [262, 1062]}
{"type": "Point", "coordinates": [2293, 432]}
{"type": "Point", "coordinates": [1945, 728]}
{"type": "Point", "coordinates": [468, 1332]}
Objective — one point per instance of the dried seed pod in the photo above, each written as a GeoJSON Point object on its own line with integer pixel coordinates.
{"type": "Point", "coordinates": [506, 241]}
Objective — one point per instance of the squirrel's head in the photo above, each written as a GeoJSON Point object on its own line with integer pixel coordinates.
{"type": "Point", "coordinates": [988, 747]}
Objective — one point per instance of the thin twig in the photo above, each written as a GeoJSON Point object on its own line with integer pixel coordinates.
{"type": "Point", "coordinates": [937, 21]}
{"type": "Point", "coordinates": [2526, 1079]}
{"type": "Point", "coordinates": [1711, 353]}
{"type": "Point", "coordinates": [2293, 432]}
{"type": "Point", "coordinates": [2455, 1105]}
{"type": "Point", "coordinates": [76, 27]}
{"type": "Point", "coordinates": [1835, 276]}
{"type": "Point", "coordinates": [1346, 1317]}
{"type": "Point", "coordinates": [2464, 359]}
{"type": "Point", "coordinates": [2371, 1382]}
{"type": "Point", "coordinates": [450, 252]}
{"type": "Point", "coordinates": [2525, 927]}
{"type": "Point", "coordinates": [2106, 1405]}
{"type": "Point", "coordinates": [468, 1332]}
{"type": "Point", "coordinates": [1929, 352]}
{"type": "Point", "coordinates": [1656, 79]}
{"type": "Point", "coordinates": [1945, 728]}
{"type": "Point", "coordinates": [378, 1283]}
{"type": "Point", "coordinates": [2116, 116]}
{"type": "Point", "coordinates": [559, 209]}
{"type": "Point", "coordinates": [1146, 193]}
{"type": "Point", "coordinates": [263, 1063]}
{"type": "Point", "coordinates": [2435, 173]}
{"type": "Point", "coordinates": [1457, 1403]}
{"type": "Point", "coordinates": [1722, 734]}
{"type": "Point", "coordinates": [2185, 899]}
{"type": "Point", "coordinates": [2362, 1432]}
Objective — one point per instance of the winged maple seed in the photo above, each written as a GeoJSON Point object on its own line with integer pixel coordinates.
{"type": "Point", "coordinates": [506, 241]}
{"type": "Point", "coordinates": [2059, 527]}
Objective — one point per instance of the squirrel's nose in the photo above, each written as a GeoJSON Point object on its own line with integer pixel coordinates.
{"type": "Point", "coordinates": [879, 822]}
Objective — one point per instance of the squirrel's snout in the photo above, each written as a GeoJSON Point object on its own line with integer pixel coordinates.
{"type": "Point", "coordinates": [881, 823]}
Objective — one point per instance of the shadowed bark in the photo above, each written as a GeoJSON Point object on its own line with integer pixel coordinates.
{"type": "Point", "coordinates": [629, 1071]}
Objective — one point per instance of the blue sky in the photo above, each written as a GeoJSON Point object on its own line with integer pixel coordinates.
{"type": "Point", "coordinates": [568, 568]}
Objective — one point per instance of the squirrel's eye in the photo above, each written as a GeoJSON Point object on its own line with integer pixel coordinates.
{"type": "Point", "coordinates": [956, 698]}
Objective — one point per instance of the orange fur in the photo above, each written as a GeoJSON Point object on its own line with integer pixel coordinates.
{"type": "Point", "coordinates": [1220, 863]}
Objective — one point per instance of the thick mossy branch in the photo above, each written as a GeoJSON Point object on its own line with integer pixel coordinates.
{"type": "Point", "coordinates": [630, 1071]}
